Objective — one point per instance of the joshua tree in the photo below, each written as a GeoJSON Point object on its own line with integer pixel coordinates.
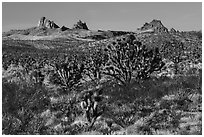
{"type": "Point", "coordinates": [130, 59]}
{"type": "Point", "coordinates": [94, 64]}
{"type": "Point", "coordinates": [69, 73]}
{"type": "Point", "coordinates": [173, 50]}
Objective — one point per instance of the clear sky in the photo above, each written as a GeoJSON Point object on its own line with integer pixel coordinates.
{"type": "Point", "coordinates": [106, 16]}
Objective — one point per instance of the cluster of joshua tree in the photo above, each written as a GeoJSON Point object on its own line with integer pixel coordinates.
{"type": "Point", "coordinates": [124, 60]}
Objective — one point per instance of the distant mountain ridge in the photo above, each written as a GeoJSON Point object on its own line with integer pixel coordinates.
{"type": "Point", "coordinates": [47, 29]}
{"type": "Point", "coordinates": [50, 30]}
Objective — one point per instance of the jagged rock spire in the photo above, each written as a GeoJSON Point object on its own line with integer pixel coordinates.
{"type": "Point", "coordinates": [80, 25]}
{"type": "Point", "coordinates": [156, 25]}
{"type": "Point", "coordinates": [44, 22]}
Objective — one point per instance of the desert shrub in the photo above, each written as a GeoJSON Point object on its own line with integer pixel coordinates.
{"type": "Point", "coordinates": [129, 59]}
{"type": "Point", "coordinates": [123, 115]}
{"type": "Point", "coordinates": [63, 114]}
{"type": "Point", "coordinates": [24, 75]}
{"type": "Point", "coordinates": [174, 51]}
{"type": "Point", "coordinates": [22, 103]}
{"type": "Point", "coordinates": [67, 107]}
{"type": "Point", "coordinates": [160, 120]}
{"type": "Point", "coordinates": [166, 115]}
{"type": "Point", "coordinates": [95, 63]}
{"type": "Point", "coordinates": [17, 74]}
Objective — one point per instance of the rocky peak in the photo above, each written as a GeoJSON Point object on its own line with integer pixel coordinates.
{"type": "Point", "coordinates": [156, 25]}
{"type": "Point", "coordinates": [80, 25]}
{"type": "Point", "coordinates": [63, 28]}
{"type": "Point", "coordinates": [173, 30]}
{"type": "Point", "coordinates": [44, 22]}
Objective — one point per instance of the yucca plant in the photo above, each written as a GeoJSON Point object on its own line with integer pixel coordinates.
{"type": "Point", "coordinates": [69, 74]}
{"type": "Point", "coordinates": [92, 105]}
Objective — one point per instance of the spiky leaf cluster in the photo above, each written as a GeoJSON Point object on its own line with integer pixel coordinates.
{"type": "Point", "coordinates": [69, 73]}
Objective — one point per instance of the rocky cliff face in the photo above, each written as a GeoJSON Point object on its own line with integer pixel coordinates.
{"type": "Point", "coordinates": [44, 22]}
{"type": "Point", "coordinates": [156, 25]}
{"type": "Point", "coordinates": [80, 25]}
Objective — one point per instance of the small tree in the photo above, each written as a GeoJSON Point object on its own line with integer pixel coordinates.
{"type": "Point", "coordinates": [130, 59]}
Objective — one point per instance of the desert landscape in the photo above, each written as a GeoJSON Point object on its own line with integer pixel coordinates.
{"type": "Point", "coordinates": [59, 80]}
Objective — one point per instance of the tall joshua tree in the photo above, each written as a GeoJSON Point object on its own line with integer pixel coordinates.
{"type": "Point", "coordinates": [128, 59]}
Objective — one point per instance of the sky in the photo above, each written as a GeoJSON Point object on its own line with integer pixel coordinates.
{"type": "Point", "coordinates": [127, 16]}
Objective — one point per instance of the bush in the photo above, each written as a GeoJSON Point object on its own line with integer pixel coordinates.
{"type": "Point", "coordinates": [22, 104]}
{"type": "Point", "coordinates": [95, 63]}
{"type": "Point", "coordinates": [174, 51]}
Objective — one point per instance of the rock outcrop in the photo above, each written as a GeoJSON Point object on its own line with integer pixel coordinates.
{"type": "Point", "coordinates": [155, 25]}
{"type": "Point", "coordinates": [63, 28]}
{"type": "Point", "coordinates": [44, 22]}
{"type": "Point", "coordinates": [80, 25]}
{"type": "Point", "coordinates": [173, 30]}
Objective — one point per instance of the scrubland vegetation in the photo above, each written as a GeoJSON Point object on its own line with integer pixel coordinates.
{"type": "Point", "coordinates": [122, 88]}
